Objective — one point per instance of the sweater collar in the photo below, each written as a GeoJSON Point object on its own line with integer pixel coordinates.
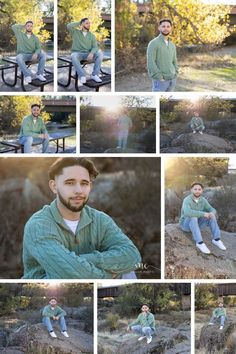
{"type": "Point", "coordinates": [84, 216]}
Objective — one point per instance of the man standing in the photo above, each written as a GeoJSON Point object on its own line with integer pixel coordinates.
{"type": "Point", "coordinates": [124, 125]}
{"type": "Point", "coordinates": [53, 313]}
{"type": "Point", "coordinates": [29, 49]}
{"type": "Point", "coordinates": [197, 124]}
{"type": "Point", "coordinates": [69, 240]}
{"type": "Point", "coordinates": [85, 47]}
{"type": "Point", "coordinates": [161, 59]}
{"type": "Point", "coordinates": [144, 325]}
{"type": "Point", "coordinates": [196, 214]}
{"type": "Point", "coordinates": [33, 130]}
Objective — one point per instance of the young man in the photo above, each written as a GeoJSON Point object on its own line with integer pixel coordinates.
{"type": "Point", "coordinates": [161, 59]}
{"type": "Point", "coordinates": [197, 124]}
{"type": "Point", "coordinates": [197, 213]}
{"type": "Point", "coordinates": [29, 49]}
{"type": "Point", "coordinates": [124, 125]}
{"type": "Point", "coordinates": [218, 314]}
{"type": "Point", "coordinates": [52, 313]}
{"type": "Point", "coordinates": [33, 130]}
{"type": "Point", "coordinates": [69, 240]}
{"type": "Point", "coordinates": [144, 324]}
{"type": "Point", "coordinates": [85, 47]}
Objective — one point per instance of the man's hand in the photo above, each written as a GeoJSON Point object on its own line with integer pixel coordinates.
{"type": "Point", "coordinates": [43, 136]}
{"type": "Point", "coordinates": [34, 57]}
{"type": "Point", "coordinates": [56, 318]}
{"type": "Point", "coordinates": [90, 57]}
{"type": "Point", "coordinates": [209, 215]}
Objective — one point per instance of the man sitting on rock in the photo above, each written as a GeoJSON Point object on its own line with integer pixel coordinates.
{"type": "Point", "coordinates": [196, 214]}
{"type": "Point", "coordinates": [52, 313]}
{"type": "Point", "coordinates": [197, 124]}
{"type": "Point", "coordinates": [144, 325]}
{"type": "Point", "coordinates": [218, 314]}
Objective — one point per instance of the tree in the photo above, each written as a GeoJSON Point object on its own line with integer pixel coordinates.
{"type": "Point", "coordinates": [204, 296]}
{"type": "Point", "coordinates": [74, 11]}
{"type": "Point", "coordinates": [19, 11]}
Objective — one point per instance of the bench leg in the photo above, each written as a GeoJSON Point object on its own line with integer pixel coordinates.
{"type": "Point", "coordinates": [60, 83]}
{"type": "Point", "coordinates": [76, 82]}
{"type": "Point", "coordinates": [22, 82]}
{"type": "Point", "coordinates": [63, 144]}
{"type": "Point", "coordinates": [11, 84]}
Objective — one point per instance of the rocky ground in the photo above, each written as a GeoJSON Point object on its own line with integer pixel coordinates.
{"type": "Point", "coordinates": [172, 337]}
{"type": "Point", "coordinates": [184, 260]}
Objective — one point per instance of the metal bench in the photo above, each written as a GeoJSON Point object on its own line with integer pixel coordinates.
{"type": "Point", "coordinates": [57, 137]}
{"type": "Point", "coordinates": [67, 63]}
{"type": "Point", "coordinates": [12, 63]}
{"type": "Point", "coordinates": [4, 149]}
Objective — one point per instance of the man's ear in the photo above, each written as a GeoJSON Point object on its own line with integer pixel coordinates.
{"type": "Point", "coordinates": [52, 186]}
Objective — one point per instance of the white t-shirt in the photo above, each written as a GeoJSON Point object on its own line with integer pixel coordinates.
{"type": "Point", "coordinates": [28, 35]}
{"type": "Point", "coordinates": [72, 224]}
{"type": "Point", "coordinates": [166, 42]}
{"type": "Point", "coordinates": [85, 33]}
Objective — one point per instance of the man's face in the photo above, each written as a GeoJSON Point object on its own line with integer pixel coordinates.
{"type": "Point", "coordinates": [72, 187]}
{"type": "Point", "coordinates": [221, 304]}
{"type": "Point", "coordinates": [53, 302]}
{"type": "Point", "coordinates": [29, 27]}
{"type": "Point", "coordinates": [145, 308]}
{"type": "Point", "coordinates": [86, 25]}
{"type": "Point", "coordinates": [197, 190]}
{"type": "Point", "coordinates": [165, 28]}
{"type": "Point", "coordinates": [196, 114]}
{"type": "Point", "coordinates": [35, 111]}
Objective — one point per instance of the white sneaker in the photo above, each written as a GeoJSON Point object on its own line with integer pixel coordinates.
{"type": "Point", "coordinates": [194, 132]}
{"type": "Point", "coordinates": [210, 324]}
{"type": "Point", "coordinates": [219, 244]}
{"type": "Point", "coordinates": [65, 334]}
{"type": "Point", "coordinates": [96, 78]}
{"type": "Point", "coordinates": [83, 80]}
{"type": "Point", "coordinates": [53, 334]}
{"type": "Point", "coordinates": [149, 339]}
{"type": "Point", "coordinates": [203, 248]}
{"type": "Point", "coordinates": [201, 133]}
{"type": "Point", "coordinates": [27, 79]}
{"type": "Point", "coordinates": [41, 78]}
{"type": "Point", "coordinates": [221, 327]}
{"type": "Point", "coordinates": [141, 338]}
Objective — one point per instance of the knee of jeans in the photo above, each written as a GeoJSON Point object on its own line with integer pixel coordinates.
{"type": "Point", "coordinates": [19, 58]}
{"type": "Point", "coordinates": [194, 219]}
{"type": "Point", "coordinates": [74, 55]}
{"type": "Point", "coordinates": [29, 139]}
{"type": "Point", "coordinates": [98, 54]}
{"type": "Point", "coordinates": [42, 54]}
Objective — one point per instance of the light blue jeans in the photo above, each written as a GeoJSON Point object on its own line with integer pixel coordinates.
{"type": "Point", "coordinates": [195, 225]}
{"type": "Point", "coordinates": [22, 58]}
{"type": "Point", "coordinates": [123, 138]}
{"type": "Point", "coordinates": [214, 320]}
{"type": "Point", "coordinates": [163, 86]}
{"type": "Point", "coordinates": [28, 141]}
{"type": "Point", "coordinates": [144, 331]}
{"type": "Point", "coordinates": [48, 323]}
{"type": "Point", "coordinates": [76, 57]}
{"type": "Point", "coordinates": [197, 129]}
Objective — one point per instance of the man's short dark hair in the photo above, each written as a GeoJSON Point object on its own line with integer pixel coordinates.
{"type": "Point", "coordinates": [56, 168]}
{"type": "Point", "coordinates": [35, 105]}
{"type": "Point", "coordinates": [197, 184]}
{"type": "Point", "coordinates": [29, 22]}
{"type": "Point", "coordinates": [83, 20]}
{"type": "Point", "coordinates": [145, 305]}
{"type": "Point", "coordinates": [52, 298]}
{"type": "Point", "coordinates": [165, 20]}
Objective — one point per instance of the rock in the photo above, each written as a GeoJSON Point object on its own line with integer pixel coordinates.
{"type": "Point", "coordinates": [212, 338]}
{"type": "Point", "coordinates": [173, 205]}
{"type": "Point", "coordinates": [202, 143]}
{"type": "Point", "coordinates": [165, 141]}
{"type": "Point", "coordinates": [35, 339]}
{"type": "Point", "coordinates": [164, 340]}
{"type": "Point", "coordinates": [173, 150]}
{"type": "Point", "coordinates": [184, 260]}
{"type": "Point", "coordinates": [231, 344]}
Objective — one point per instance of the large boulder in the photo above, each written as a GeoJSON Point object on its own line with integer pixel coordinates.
{"type": "Point", "coordinates": [36, 340]}
{"type": "Point", "coordinates": [166, 340]}
{"type": "Point", "coordinates": [213, 339]}
{"type": "Point", "coordinates": [184, 260]}
{"type": "Point", "coordinates": [202, 143]}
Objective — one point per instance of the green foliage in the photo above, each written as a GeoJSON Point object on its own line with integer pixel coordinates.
{"type": "Point", "coordinates": [74, 11]}
{"type": "Point", "coordinates": [204, 296]}
{"type": "Point", "coordinates": [181, 172]}
{"type": "Point", "coordinates": [72, 119]}
{"type": "Point", "coordinates": [112, 320]}
{"type": "Point", "coordinates": [19, 11]}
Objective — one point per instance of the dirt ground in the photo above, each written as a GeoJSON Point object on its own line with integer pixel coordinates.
{"type": "Point", "coordinates": [214, 71]}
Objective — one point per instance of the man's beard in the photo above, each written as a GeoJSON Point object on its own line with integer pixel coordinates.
{"type": "Point", "coordinates": [165, 34]}
{"type": "Point", "coordinates": [197, 196]}
{"type": "Point", "coordinates": [68, 205]}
